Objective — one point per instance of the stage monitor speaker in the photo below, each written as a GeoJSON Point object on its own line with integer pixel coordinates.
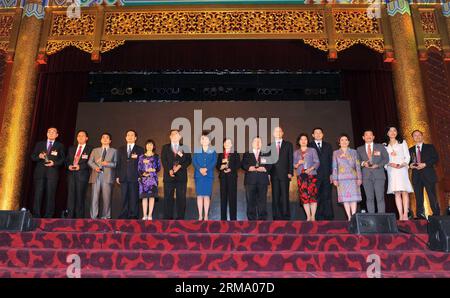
{"type": "Point", "coordinates": [16, 221]}
{"type": "Point", "coordinates": [373, 223]}
{"type": "Point", "coordinates": [439, 233]}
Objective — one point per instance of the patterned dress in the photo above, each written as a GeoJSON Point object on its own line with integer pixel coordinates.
{"type": "Point", "coordinates": [307, 183]}
{"type": "Point", "coordinates": [148, 185]}
{"type": "Point", "coordinates": [347, 172]}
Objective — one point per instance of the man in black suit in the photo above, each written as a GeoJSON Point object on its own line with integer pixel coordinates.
{"type": "Point", "coordinates": [281, 172]}
{"type": "Point", "coordinates": [78, 173]}
{"type": "Point", "coordinates": [423, 159]}
{"type": "Point", "coordinates": [175, 159]}
{"type": "Point", "coordinates": [325, 153]}
{"type": "Point", "coordinates": [128, 175]}
{"type": "Point", "coordinates": [49, 156]}
{"type": "Point", "coordinates": [256, 181]}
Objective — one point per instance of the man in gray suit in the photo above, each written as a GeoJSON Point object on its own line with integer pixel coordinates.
{"type": "Point", "coordinates": [373, 157]}
{"type": "Point", "coordinates": [103, 162]}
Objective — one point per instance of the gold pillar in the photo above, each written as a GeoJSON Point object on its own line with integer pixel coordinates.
{"type": "Point", "coordinates": [19, 107]}
{"type": "Point", "coordinates": [409, 91]}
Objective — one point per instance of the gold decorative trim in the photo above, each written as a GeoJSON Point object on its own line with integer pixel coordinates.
{"type": "Point", "coordinates": [56, 46]}
{"type": "Point", "coordinates": [428, 22]}
{"type": "Point", "coordinates": [433, 42]}
{"type": "Point", "coordinates": [6, 24]}
{"type": "Point", "coordinates": [356, 21]}
{"type": "Point", "coordinates": [108, 45]}
{"type": "Point", "coordinates": [63, 25]}
{"type": "Point", "coordinates": [4, 46]}
{"type": "Point", "coordinates": [375, 44]}
{"type": "Point", "coordinates": [321, 44]}
{"type": "Point", "coordinates": [214, 22]}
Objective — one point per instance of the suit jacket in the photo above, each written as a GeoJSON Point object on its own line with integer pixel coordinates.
{"type": "Point", "coordinates": [168, 158]}
{"type": "Point", "coordinates": [326, 160]}
{"type": "Point", "coordinates": [249, 160]}
{"type": "Point", "coordinates": [84, 172]}
{"type": "Point", "coordinates": [109, 171]}
{"type": "Point", "coordinates": [127, 168]}
{"type": "Point", "coordinates": [380, 157]}
{"type": "Point", "coordinates": [234, 163]}
{"type": "Point", "coordinates": [56, 155]}
{"type": "Point", "coordinates": [430, 157]}
{"type": "Point", "coordinates": [282, 163]}
{"type": "Point", "coordinates": [207, 160]}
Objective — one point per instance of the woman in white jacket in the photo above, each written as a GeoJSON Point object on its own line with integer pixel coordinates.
{"type": "Point", "coordinates": [397, 170]}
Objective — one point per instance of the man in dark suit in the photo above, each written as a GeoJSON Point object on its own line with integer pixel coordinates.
{"type": "Point", "coordinates": [325, 153]}
{"type": "Point", "coordinates": [281, 172]}
{"type": "Point", "coordinates": [423, 159]}
{"type": "Point", "coordinates": [78, 172]}
{"type": "Point", "coordinates": [256, 181]}
{"type": "Point", "coordinates": [175, 159]}
{"type": "Point", "coordinates": [127, 175]}
{"type": "Point", "coordinates": [49, 156]}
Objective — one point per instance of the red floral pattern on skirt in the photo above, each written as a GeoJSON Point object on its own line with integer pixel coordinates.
{"type": "Point", "coordinates": [307, 188]}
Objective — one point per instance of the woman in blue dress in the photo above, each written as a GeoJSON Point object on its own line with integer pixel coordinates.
{"type": "Point", "coordinates": [204, 161]}
{"type": "Point", "coordinates": [149, 165]}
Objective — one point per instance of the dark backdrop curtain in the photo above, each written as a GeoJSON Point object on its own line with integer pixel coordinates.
{"type": "Point", "coordinates": [366, 80]}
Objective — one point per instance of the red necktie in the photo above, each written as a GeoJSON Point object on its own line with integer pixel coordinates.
{"type": "Point", "coordinates": [418, 155]}
{"type": "Point", "coordinates": [369, 151]}
{"type": "Point", "coordinates": [226, 155]}
{"type": "Point", "coordinates": [77, 156]}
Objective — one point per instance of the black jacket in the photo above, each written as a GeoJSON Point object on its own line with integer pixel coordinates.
{"type": "Point", "coordinates": [430, 157]}
{"type": "Point", "coordinates": [234, 163]}
{"type": "Point", "coordinates": [84, 172]}
{"type": "Point", "coordinates": [282, 163]}
{"type": "Point", "coordinates": [56, 155]}
{"type": "Point", "coordinates": [168, 158]}
{"type": "Point", "coordinates": [127, 168]}
{"type": "Point", "coordinates": [326, 159]}
{"type": "Point", "coordinates": [249, 160]}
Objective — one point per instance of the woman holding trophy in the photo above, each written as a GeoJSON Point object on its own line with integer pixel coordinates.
{"type": "Point", "coordinates": [149, 165]}
{"type": "Point", "coordinates": [228, 164]}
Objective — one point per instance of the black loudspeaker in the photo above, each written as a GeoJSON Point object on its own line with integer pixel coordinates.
{"type": "Point", "coordinates": [439, 233]}
{"type": "Point", "coordinates": [373, 223]}
{"type": "Point", "coordinates": [16, 221]}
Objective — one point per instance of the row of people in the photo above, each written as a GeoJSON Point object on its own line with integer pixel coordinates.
{"type": "Point", "coordinates": [314, 164]}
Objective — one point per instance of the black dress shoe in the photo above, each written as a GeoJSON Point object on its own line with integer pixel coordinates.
{"type": "Point", "coordinates": [421, 216]}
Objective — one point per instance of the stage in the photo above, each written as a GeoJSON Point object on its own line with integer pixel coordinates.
{"type": "Point", "coordinates": [216, 249]}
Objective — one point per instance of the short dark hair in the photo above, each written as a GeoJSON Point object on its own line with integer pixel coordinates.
{"type": "Point", "coordinates": [174, 129]}
{"type": "Point", "coordinates": [133, 131]}
{"type": "Point", "coordinates": [417, 130]}
{"type": "Point", "coordinates": [152, 142]}
{"type": "Point", "coordinates": [52, 127]}
{"type": "Point", "coordinates": [316, 128]}
{"type": "Point", "coordinates": [106, 134]}
{"type": "Point", "coordinates": [367, 130]}
{"type": "Point", "coordinates": [82, 130]}
{"type": "Point", "coordinates": [297, 142]}
{"type": "Point", "coordinates": [341, 136]}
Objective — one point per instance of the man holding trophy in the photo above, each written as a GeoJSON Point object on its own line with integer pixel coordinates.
{"type": "Point", "coordinates": [374, 157]}
{"type": "Point", "coordinates": [48, 156]}
{"type": "Point", "coordinates": [103, 163]}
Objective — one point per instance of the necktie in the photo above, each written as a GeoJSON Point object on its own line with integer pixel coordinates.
{"type": "Point", "coordinates": [175, 149]}
{"type": "Point", "coordinates": [77, 156]}
{"type": "Point", "coordinates": [419, 155]}
{"type": "Point", "coordinates": [257, 155]}
{"type": "Point", "coordinates": [278, 147]}
{"type": "Point", "coordinates": [369, 151]}
{"type": "Point", "coordinates": [103, 154]}
{"type": "Point", "coordinates": [50, 145]}
{"type": "Point", "coordinates": [319, 145]}
{"type": "Point", "coordinates": [129, 151]}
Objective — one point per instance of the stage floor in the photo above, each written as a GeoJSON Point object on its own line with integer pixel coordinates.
{"type": "Point", "coordinates": [240, 249]}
